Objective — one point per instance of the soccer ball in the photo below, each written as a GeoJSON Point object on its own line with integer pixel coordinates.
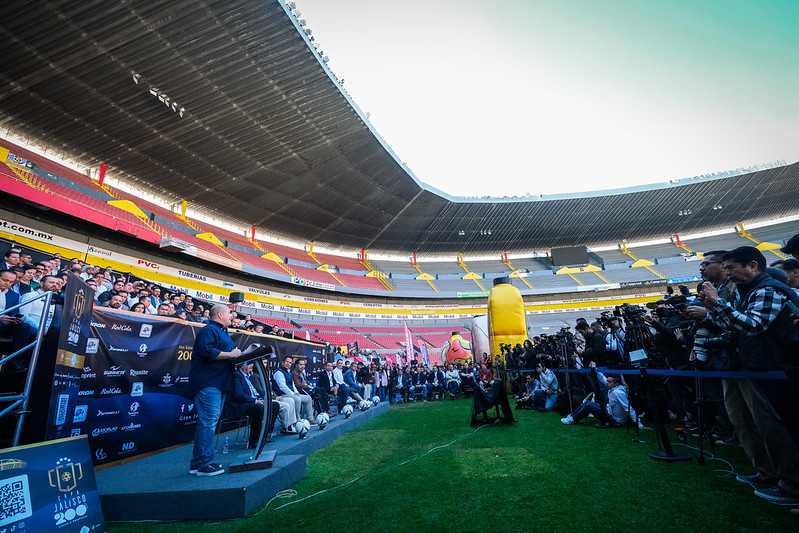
{"type": "Point", "coordinates": [369, 404]}
{"type": "Point", "coordinates": [364, 405]}
{"type": "Point", "coordinates": [303, 426]}
{"type": "Point", "coordinates": [347, 410]}
{"type": "Point", "coordinates": [322, 420]}
{"type": "Point", "coordinates": [376, 400]}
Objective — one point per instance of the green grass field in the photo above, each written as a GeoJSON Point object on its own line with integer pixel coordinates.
{"type": "Point", "coordinates": [421, 467]}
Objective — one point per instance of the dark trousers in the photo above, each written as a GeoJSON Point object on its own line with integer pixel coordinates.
{"type": "Point", "coordinates": [255, 412]}
{"type": "Point", "coordinates": [21, 335]}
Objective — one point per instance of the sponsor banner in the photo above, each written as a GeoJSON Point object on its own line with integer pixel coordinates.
{"type": "Point", "coordinates": [262, 292]}
{"type": "Point", "coordinates": [128, 389]}
{"type": "Point", "coordinates": [49, 486]}
{"type": "Point", "coordinates": [683, 279]}
{"type": "Point", "coordinates": [132, 394]}
{"type": "Point", "coordinates": [70, 354]}
{"type": "Point", "coordinates": [313, 284]}
{"type": "Point", "coordinates": [219, 259]}
{"type": "Point", "coordinates": [472, 295]}
{"type": "Point", "coordinates": [215, 287]}
{"type": "Point", "coordinates": [18, 160]}
{"type": "Point", "coordinates": [41, 236]}
{"type": "Point", "coordinates": [647, 283]}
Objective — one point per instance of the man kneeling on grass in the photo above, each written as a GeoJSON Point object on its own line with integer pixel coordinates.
{"type": "Point", "coordinates": [617, 409]}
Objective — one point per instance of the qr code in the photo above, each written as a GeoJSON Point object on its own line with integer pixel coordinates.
{"type": "Point", "coordinates": [15, 499]}
{"type": "Point", "coordinates": [61, 414]}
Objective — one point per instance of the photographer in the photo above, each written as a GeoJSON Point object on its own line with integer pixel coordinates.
{"type": "Point", "coordinates": [763, 414]}
{"type": "Point", "coordinates": [712, 348]}
{"type": "Point", "coordinates": [594, 337]}
{"type": "Point", "coordinates": [529, 354]}
{"type": "Point", "coordinates": [673, 329]}
{"type": "Point", "coordinates": [614, 342]}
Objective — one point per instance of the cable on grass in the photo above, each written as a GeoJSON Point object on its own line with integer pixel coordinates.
{"type": "Point", "coordinates": [290, 493]}
{"type": "Point", "coordinates": [711, 457]}
{"type": "Point", "coordinates": [731, 472]}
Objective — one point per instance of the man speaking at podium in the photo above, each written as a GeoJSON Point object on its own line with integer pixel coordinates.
{"type": "Point", "coordinates": [211, 376]}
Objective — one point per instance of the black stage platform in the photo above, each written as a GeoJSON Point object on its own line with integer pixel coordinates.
{"type": "Point", "coordinates": [161, 488]}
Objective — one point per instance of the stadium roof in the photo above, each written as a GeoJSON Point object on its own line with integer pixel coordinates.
{"type": "Point", "coordinates": [228, 105]}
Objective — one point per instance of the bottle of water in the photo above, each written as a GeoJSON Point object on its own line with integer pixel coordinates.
{"type": "Point", "coordinates": [226, 447]}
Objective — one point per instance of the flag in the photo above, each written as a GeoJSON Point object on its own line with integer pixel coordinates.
{"type": "Point", "coordinates": [423, 350]}
{"type": "Point", "coordinates": [352, 349]}
{"type": "Point", "coordinates": [408, 342]}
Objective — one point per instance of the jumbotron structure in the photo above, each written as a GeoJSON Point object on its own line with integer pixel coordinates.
{"type": "Point", "coordinates": [231, 108]}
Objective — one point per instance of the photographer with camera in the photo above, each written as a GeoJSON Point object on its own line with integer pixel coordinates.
{"type": "Point", "coordinates": [614, 340]}
{"type": "Point", "coordinates": [595, 345]}
{"type": "Point", "coordinates": [759, 319]}
{"type": "Point", "coordinates": [712, 347]}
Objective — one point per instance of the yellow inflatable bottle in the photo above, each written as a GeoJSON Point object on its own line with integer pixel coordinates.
{"type": "Point", "coordinates": [506, 320]}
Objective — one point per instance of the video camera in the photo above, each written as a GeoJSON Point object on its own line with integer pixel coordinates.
{"type": "Point", "coordinates": [678, 303]}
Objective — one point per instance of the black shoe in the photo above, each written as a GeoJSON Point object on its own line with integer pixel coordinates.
{"type": "Point", "coordinates": [287, 432]}
{"type": "Point", "coordinates": [212, 469]}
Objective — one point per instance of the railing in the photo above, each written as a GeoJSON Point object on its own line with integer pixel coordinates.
{"type": "Point", "coordinates": [21, 400]}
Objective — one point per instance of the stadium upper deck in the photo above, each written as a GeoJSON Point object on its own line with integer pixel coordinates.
{"type": "Point", "coordinates": [33, 177]}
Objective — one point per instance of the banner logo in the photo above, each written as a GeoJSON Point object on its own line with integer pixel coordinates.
{"type": "Point", "coordinates": [80, 414]}
{"type": "Point", "coordinates": [65, 475]}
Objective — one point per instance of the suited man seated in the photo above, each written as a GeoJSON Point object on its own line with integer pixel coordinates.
{"type": "Point", "coordinates": [244, 399]}
{"type": "Point", "coordinates": [352, 380]}
{"type": "Point", "coordinates": [327, 385]}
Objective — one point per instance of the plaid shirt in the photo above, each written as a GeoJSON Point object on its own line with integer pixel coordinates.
{"type": "Point", "coordinates": [759, 311]}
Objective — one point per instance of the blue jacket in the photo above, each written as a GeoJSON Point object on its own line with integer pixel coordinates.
{"type": "Point", "coordinates": [351, 378]}
{"type": "Point", "coordinates": [240, 396]}
{"type": "Point", "coordinates": [12, 299]}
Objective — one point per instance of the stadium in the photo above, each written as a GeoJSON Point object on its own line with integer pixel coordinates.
{"type": "Point", "coordinates": [208, 149]}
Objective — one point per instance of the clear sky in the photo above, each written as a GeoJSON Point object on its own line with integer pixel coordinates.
{"type": "Point", "coordinates": [532, 96]}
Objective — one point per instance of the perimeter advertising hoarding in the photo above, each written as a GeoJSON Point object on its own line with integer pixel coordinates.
{"type": "Point", "coordinates": [129, 392]}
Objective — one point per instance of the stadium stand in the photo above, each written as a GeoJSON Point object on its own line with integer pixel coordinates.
{"type": "Point", "coordinates": [153, 221]}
